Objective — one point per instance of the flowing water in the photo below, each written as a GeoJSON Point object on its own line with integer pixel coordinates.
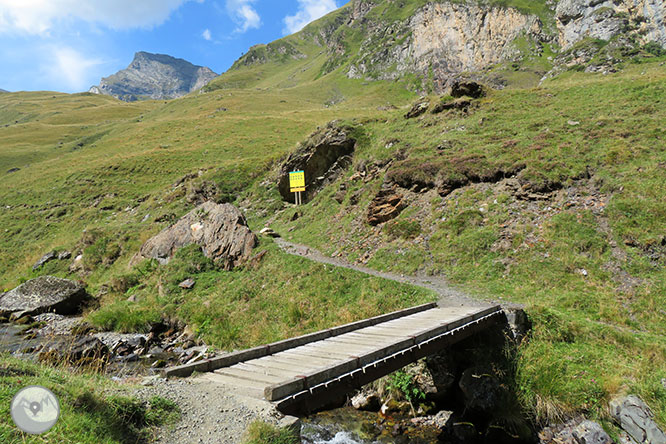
{"type": "Point", "coordinates": [350, 426]}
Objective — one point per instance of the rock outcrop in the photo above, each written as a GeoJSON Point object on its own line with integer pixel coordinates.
{"type": "Point", "coordinates": [443, 40]}
{"type": "Point", "coordinates": [41, 295]}
{"type": "Point", "coordinates": [219, 229]}
{"type": "Point", "coordinates": [636, 418]}
{"type": "Point", "coordinates": [322, 157]}
{"type": "Point", "coordinates": [386, 205]}
{"type": "Point", "coordinates": [154, 76]}
{"type": "Point", "coordinates": [604, 19]}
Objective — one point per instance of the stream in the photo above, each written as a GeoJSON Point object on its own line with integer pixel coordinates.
{"type": "Point", "coordinates": [350, 426]}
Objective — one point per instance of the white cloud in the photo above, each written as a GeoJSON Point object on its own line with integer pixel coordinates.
{"type": "Point", "coordinates": [244, 14]}
{"type": "Point", "coordinates": [308, 11]}
{"type": "Point", "coordinates": [40, 16]}
{"type": "Point", "coordinates": [207, 35]}
{"type": "Point", "coordinates": [70, 68]}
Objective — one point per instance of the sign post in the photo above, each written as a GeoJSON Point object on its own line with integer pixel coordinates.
{"type": "Point", "coordinates": [297, 185]}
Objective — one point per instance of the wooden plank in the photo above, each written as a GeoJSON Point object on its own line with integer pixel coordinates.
{"type": "Point", "coordinates": [295, 355]}
{"type": "Point", "coordinates": [270, 363]}
{"type": "Point", "coordinates": [268, 370]}
{"type": "Point", "coordinates": [319, 356]}
{"type": "Point", "coordinates": [250, 376]}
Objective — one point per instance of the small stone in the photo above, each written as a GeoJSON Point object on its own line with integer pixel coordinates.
{"type": "Point", "coordinates": [64, 255]}
{"type": "Point", "coordinates": [187, 284]}
{"type": "Point", "coordinates": [573, 122]}
{"type": "Point", "coordinates": [267, 231]}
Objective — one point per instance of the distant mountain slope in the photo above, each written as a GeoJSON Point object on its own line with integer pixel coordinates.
{"type": "Point", "coordinates": [154, 76]}
{"type": "Point", "coordinates": [430, 44]}
{"type": "Point", "coordinates": [3, 91]}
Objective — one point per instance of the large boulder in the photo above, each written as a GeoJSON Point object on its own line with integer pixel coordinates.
{"type": "Point", "coordinates": [41, 295]}
{"type": "Point", "coordinates": [322, 157]}
{"type": "Point", "coordinates": [219, 229]}
{"type": "Point", "coordinates": [636, 418]}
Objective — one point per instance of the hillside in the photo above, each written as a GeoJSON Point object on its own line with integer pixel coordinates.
{"type": "Point", "coordinates": [546, 190]}
{"type": "Point", "coordinates": [154, 76]}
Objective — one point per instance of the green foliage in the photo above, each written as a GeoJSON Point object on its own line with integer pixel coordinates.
{"type": "Point", "coordinates": [404, 384]}
{"type": "Point", "coordinates": [262, 433]}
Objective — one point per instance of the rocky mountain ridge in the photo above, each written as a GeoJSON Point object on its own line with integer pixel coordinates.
{"type": "Point", "coordinates": [440, 41]}
{"type": "Point", "coordinates": [3, 91]}
{"type": "Point", "coordinates": [154, 76]}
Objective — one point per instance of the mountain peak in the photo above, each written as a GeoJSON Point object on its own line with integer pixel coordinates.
{"type": "Point", "coordinates": [155, 76]}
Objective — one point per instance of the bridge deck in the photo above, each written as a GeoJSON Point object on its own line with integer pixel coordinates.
{"type": "Point", "coordinates": [296, 373]}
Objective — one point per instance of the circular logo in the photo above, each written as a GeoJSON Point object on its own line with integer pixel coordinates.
{"type": "Point", "coordinates": [35, 409]}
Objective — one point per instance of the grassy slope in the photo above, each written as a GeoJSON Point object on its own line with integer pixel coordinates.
{"type": "Point", "coordinates": [126, 156]}
{"type": "Point", "coordinates": [90, 413]}
{"type": "Point", "coordinates": [591, 339]}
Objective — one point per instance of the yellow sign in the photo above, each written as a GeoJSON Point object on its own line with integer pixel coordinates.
{"type": "Point", "coordinates": [297, 181]}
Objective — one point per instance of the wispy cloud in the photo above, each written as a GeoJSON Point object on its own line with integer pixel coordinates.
{"type": "Point", "coordinates": [70, 68]}
{"type": "Point", "coordinates": [207, 35]}
{"type": "Point", "coordinates": [308, 11]}
{"type": "Point", "coordinates": [244, 14]}
{"type": "Point", "coordinates": [41, 16]}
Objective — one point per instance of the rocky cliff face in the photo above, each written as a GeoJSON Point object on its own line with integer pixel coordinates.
{"type": "Point", "coordinates": [155, 76]}
{"type": "Point", "coordinates": [444, 39]}
{"type": "Point", "coordinates": [431, 44]}
{"type": "Point", "coordinates": [604, 19]}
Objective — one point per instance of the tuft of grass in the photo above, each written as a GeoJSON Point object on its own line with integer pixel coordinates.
{"type": "Point", "coordinates": [262, 433]}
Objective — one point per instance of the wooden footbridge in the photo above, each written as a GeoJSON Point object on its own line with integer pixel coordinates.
{"type": "Point", "coordinates": [307, 372]}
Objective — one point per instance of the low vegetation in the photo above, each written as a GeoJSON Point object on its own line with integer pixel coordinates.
{"type": "Point", "coordinates": [263, 433]}
{"type": "Point", "coordinates": [90, 411]}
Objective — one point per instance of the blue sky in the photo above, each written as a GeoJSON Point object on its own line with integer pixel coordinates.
{"type": "Point", "coordinates": [69, 45]}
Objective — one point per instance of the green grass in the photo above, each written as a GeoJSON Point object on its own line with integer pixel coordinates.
{"type": "Point", "coordinates": [604, 341]}
{"type": "Point", "coordinates": [90, 411]}
{"type": "Point", "coordinates": [284, 297]}
{"type": "Point", "coordinates": [263, 433]}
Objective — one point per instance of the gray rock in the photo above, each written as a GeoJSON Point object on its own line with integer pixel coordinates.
{"type": "Point", "coordinates": [154, 76]}
{"type": "Point", "coordinates": [323, 157]}
{"type": "Point", "coordinates": [267, 231]}
{"type": "Point", "coordinates": [51, 255]}
{"type": "Point", "coordinates": [41, 295]}
{"type": "Point", "coordinates": [589, 432]}
{"type": "Point", "coordinates": [220, 229]}
{"type": "Point", "coordinates": [187, 284]}
{"type": "Point", "coordinates": [636, 418]}
{"type": "Point", "coordinates": [85, 348]}
{"type": "Point", "coordinates": [418, 109]}
{"type": "Point", "coordinates": [368, 401]}
{"type": "Point", "coordinates": [64, 255]}
{"type": "Point", "coordinates": [604, 19]}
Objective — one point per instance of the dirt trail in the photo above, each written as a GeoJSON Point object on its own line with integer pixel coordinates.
{"type": "Point", "coordinates": [448, 296]}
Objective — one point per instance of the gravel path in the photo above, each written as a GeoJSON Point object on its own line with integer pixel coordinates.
{"type": "Point", "coordinates": [448, 296]}
{"type": "Point", "coordinates": [211, 413]}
